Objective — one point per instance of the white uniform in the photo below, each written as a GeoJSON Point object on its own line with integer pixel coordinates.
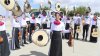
{"type": "Point", "coordinates": [27, 19]}
{"type": "Point", "coordinates": [93, 22]}
{"type": "Point", "coordinates": [98, 21]}
{"type": "Point", "coordinates": [63, 19]}
{"type": "Point", "coordinates": [60, 27]}
{"type": "Point", "coordinates": [16, 23]}
{"type": "Point", "coordinates": [87, 19]}
{"type": "Point", "coordinates": [38, 20]}
{"type": "Point", "coordinates": [32, 20]}
{"type": "Point", "coordinates": [23, 22]}
{"type": "Point", "coordinates": [77, 19]}
{"type": "Point", "coordinates": [67, 21]}
{"type": "Point", "coordinates": [43, 18]}
{"type": "Point", "coordinates": [52, 19]}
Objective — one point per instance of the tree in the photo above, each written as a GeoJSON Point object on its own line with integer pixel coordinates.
{"type": "Point", "coordinates": [70, 13]}
{"type": "Point", "coordinates": [33, 10]}
{"type": "Point", "coordinates": [81, 10]}
{"type": "Point", "coordinates": [63, 10]}
{"type": "Point", "coordinates": [97, 13]}
{"type": "Point", "coordinates": [45, 8]}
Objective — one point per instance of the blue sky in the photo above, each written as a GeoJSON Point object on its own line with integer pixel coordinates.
{"type": "Point", "coordinates": [94, 4]}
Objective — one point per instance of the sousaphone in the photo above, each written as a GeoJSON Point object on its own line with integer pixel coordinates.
{"type": "Point", "coordinates": [88, 9]}
{"type": "Point", "coordinates": [17, 10]}
{"type": "Point", "coordinates": [58, 6]}
{"type": "Point", "coordinates": [27, 7]}
{"type": "Point", "coordinates": [40, 38]}
{"type": "Point", "coordinates": [8, 4]}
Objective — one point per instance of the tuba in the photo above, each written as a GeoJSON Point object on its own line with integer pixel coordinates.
{"type": "Point", "coordinates": [58, 6]}
{"type": "Point", "coordinates": [17, 10]}
{"type": "Point", "coordinates": [13, 6]}
{"type": "Point", "coordinates": [8, 4]}
{"type": "Point", "coordinates": [88, 9]}
{"type": "Point", "coordinates": [27, 7]}
{"type": "Point", "coordinates": [40, 38]}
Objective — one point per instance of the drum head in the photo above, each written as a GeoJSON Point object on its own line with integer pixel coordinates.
{"type": "Point", "coordinates": [40, 38]}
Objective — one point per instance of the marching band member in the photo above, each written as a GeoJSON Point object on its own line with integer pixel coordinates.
{"type": "Point", "coordinates": [56, 41]}
{"type": "Point", "coordinates": [94, 25]}
{"type": "Point", "coordinates": [15, 33]}
{"type": "Point", "coordinates": [86, 25]}
{"type": "Point", "coordinates": [62, 16]}
{"type": "Point", "coordinates": [67, 26]}
{"type": "Point", "coordinates": [4, 46]}
{"type": "Point", "coordinates": [24, 27]}
{"type": "Point", "coordinates": [77, 21]}
{"type": "Point", "coordinates": [28, 25]}
{"type": "Point", "coordinates": [44, 19]}
{"type": "Point", "coordinates": [52, 18]}
{"type": "Point", "coordinates": [32, 26]}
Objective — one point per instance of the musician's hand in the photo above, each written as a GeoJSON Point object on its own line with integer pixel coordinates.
{"type": "Point", "coordinates": [35, 24]}
{"type": "Point", "coordinates": [62, 31]}
{"type": "Point", "coordinates": [70, 29]}
{"type": "Point", "coordinates": [32, 30]}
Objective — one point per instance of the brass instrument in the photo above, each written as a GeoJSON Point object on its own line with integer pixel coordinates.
{"type": "Point", "coordinates": [88, 9]}
{"type": "Point", "coordinates": [40, 38]}
{"type": "Point", "coordinates": [17, 10]}
{"type": "Point", "coordinates": [8, 4]}
{"type": "Point", "coordinates": [13, 6]}
{"type": "Point", "coordinates": [27, 7]}
{"type": "Point", "coordinates": [58, 6]}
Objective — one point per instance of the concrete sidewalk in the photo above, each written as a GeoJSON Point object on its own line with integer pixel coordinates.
{"type": "Point", "coordinates": [80, 48]}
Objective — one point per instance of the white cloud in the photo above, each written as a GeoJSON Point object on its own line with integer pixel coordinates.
{"type": "Point", "coordinates": [94, 4]}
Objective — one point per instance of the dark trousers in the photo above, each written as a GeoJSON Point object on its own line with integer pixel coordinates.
{"type": "Point", "coordinates": [75, 33]}
{"type": "Point", "coordinates": [4, 47]}
{"type": "Point", "coordinates": [67, 34]}
{"type": "Point", "coordinates": [32, 27]}
{"type": "Point", "coordinates": [44, 26]}
{"type": "Point", "coordinates": [16, 35]}
{"type": "Point", "coordinates": [24, 34]}
{"type": "Point", "coordinates": [85, 29]}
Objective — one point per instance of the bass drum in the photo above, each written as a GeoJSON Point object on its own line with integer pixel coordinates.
{"type": "Point", "coordinates": [40, 38]}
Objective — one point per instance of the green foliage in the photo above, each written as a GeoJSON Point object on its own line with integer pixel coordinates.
{"type": "Point", "coordinates": [81, 10]}
{"type": "Point", "coordinates": [97, 13]}
{"type": "Point", "coordinates": [63, 10]}
{"type": "Point", "coordinates": [70, 13]}
{"type": "Point", "coordinates": [33, 10]}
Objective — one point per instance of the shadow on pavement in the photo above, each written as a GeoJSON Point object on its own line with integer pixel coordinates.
{"type": "Point", "coordinates": [35, 53]}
